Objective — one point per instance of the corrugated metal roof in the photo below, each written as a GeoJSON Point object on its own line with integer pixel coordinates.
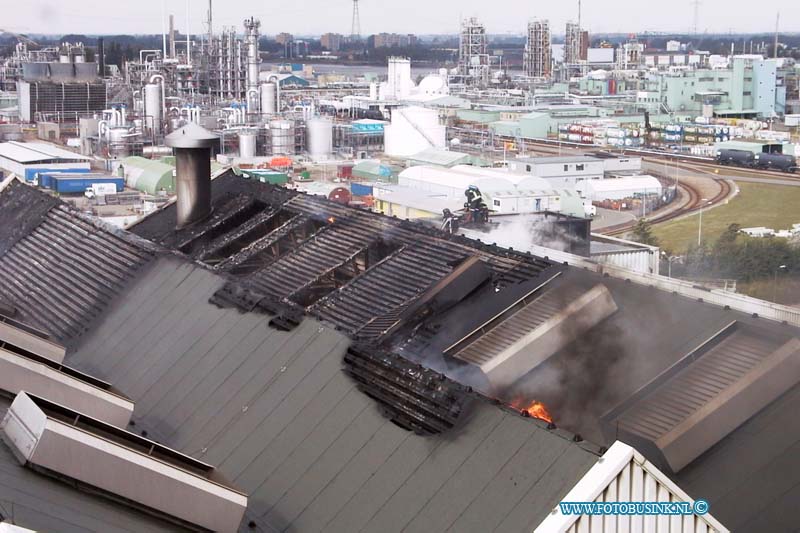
{"type": "Point", "coordinates": [64, 272]}
{"type": "Point", "coordinates": [435, 156]}
{"type": "Point", "coordinates": [37, 153]}
{"type": "Point", "coordinates": [277, 415]}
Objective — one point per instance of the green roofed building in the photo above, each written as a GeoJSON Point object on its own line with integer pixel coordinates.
{"type": "Point", "coordinates": [373, 171]}
{"type": "Point", "coordinates": [148, 176]}
{"type": "Point", "coordinates": [441, 158]}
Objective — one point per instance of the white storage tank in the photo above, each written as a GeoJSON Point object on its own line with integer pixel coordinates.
{"type": "Point", "coordinates": [414, 129]}
{"type": "Point", "coordinates": [269, 98]}
{"type": "Point", "coordinates": [247, 144]}
{"type": "Point", "coordinates": [152, 105]}
{"type": "Point", "coordinates": [320, 138]}
{"type": "Point", "coordinates": [282, 137]}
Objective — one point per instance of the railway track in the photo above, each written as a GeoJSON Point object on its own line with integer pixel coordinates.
{"type": "Point", "coordinates": [692, 205]}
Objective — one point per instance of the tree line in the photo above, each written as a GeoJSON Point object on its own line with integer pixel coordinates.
{"type": "Point", "coordinates": [733, 256]}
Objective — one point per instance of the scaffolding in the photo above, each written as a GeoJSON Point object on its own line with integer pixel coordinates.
{"type": "Point", "coordinates": [473, 53]}
{"type": "Point", "coordinates": [538, 55]}
{"type": "Point", "coordinates": [227, 67]}
{"type": "Point", "coordinates": [572, 44]}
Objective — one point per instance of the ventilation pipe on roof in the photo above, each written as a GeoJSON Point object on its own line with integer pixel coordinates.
{"type": "Point", "coordinates": [192, 146]}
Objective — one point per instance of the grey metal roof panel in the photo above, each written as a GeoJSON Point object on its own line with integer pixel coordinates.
{"type": "Point", "coordinates": [756, 465]}
{"type": "Point", "coordinates": [274, 411]}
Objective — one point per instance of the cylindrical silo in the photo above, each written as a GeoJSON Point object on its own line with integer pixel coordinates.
{"type": "Point", "coordinates": [320, 138]}
{"type": "Point", "coordinates": [282, 137]}
{"type": "Point", "coordinates": [247, 144]}
{"type": "Point", "coordinates": [152, 105]}
{"type": "Point", "coordinates": [268, 99]}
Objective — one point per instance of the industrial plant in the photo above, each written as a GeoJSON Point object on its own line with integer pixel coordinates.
{"type": "Point", "coordinates": [257, 283]}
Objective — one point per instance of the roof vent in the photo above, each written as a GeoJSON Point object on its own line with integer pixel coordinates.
{"type": "Point", "coordinates": [30, 339]}
{"type": "Point", "coordinates": [56, 440]}
{"type": "Point", "coordinates": [21, 371]}
{"type": "Point", "coordinates": [539, 325]}
{"type": "Point", "coordinates": [707, 394]}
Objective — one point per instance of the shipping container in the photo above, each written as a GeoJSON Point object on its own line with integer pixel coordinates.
{"type": "Point", "coordinates": [78, 185]}
{"type": "Point", "coordinates": [32, 174]}
{"type": "Point", "coordinates": [361, 189]}
{"type": "Point", "coordinates": [345, 171]}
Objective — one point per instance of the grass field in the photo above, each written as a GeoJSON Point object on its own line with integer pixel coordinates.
{"type": "Point", "coordinates": [772, 206]}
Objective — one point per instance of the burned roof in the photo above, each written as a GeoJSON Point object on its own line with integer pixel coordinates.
{"type": "Point", "coordinates": [275, 412]}
{"type": "Point", "coordinates": [60, 268]}
{"type": "Point", "coordinates": [234, 337]}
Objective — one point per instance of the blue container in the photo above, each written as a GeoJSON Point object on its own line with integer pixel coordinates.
{"type": "Point", "coordinates": [30, 173]}
{"type": "Point", "coordinates": [361, 189]}
{"type": "Point", "coordinates": [78, 185]}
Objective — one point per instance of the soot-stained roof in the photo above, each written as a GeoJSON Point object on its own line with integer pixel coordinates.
{"type": "Point", "coordinates": [232, 336]}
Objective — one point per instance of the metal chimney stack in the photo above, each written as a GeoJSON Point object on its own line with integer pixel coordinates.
{"type": "Point", "coordinates": [192, 146]}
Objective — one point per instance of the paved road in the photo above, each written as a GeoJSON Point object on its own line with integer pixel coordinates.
{"type": "Point", "coordinates": [609, 217]}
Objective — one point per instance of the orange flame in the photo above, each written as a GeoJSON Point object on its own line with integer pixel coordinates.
{"type": "Point", "coordinates": [331, 220]}
{"type": "Point", "coordinates": [535, 409]}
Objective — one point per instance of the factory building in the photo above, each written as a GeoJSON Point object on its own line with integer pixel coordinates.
{"type": "Point", "coordinates": [60, 91]}
{"type": "Point", "coordinates": [337, 435]}
{"type": "Point", "coordinates": [27, 159]}
{"type": "Point", "coordinates": [750, 87]}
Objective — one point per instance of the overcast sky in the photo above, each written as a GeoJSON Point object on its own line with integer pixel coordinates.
{"type": "Point", "coordinates": [406, 16]}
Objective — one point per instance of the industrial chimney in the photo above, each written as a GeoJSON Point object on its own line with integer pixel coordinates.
{"type": "Point", "coordinates": [192, 146]}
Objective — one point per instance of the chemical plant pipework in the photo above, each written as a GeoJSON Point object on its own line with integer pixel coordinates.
{"type": "Point", "coordinates": [212, 80]}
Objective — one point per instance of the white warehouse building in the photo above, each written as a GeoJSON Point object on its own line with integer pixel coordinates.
{"type": "Point", "coordinates": [619, 188]}
{"type": "Point", "coordinates": [504, 192]}
{"type": "Point", "coordinates": [565, 172]}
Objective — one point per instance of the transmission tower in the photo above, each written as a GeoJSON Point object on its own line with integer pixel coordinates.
{"type": "Point", "coordinates": [355, 33]}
